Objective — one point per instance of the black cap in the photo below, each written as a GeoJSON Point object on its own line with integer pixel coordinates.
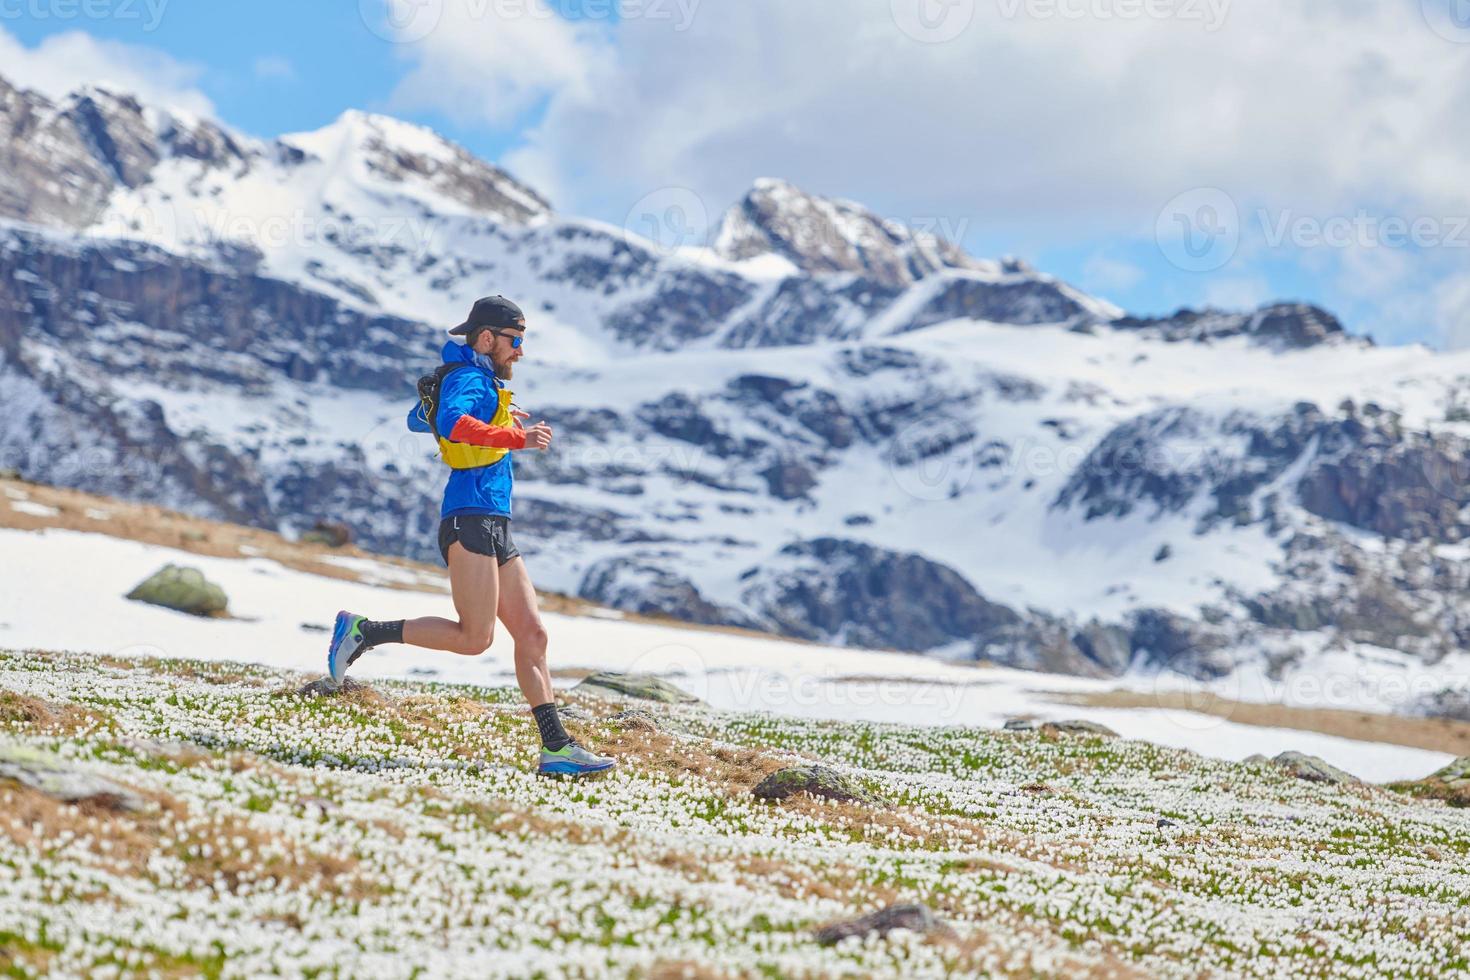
{"type": "Point", "coordinates": [493, 312]}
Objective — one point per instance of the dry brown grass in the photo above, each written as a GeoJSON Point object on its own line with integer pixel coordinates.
{"type": "Point", "coordinates": [123, 843]}
{"type": "Point", "coordinates": [1435, 734]}
{"type": "Point", "coordinates": [33, 715]}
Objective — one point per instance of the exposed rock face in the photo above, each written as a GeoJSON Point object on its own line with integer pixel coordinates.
{"type": "Point", "coordinates": [1181, 644]}
{"type": "Point", "coordinates": [650, 588]}
{"type": "Point", "coordinates": [1284, 325]}
{"type": "Point", "coordinates": [815, 781]}
{"type": "Point", "coordinates": [449, 170]}
{"type": "Point", "coordinates": [830, 587]}
{"type": "Point", "coordinates": [821, 235]}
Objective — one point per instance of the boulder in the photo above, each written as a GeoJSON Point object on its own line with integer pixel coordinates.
{"type": "Point", "coordinates": [323, 687]}
{"type": "Point", "coordinates": [1451, 784]}
{"type": "Point", "coordinates": [184, 589]}
{"type": "Point", "coordinates": [645, 686]}
{"type": "Point", "coordinates": [815, 781]}
{"type": "Point", "coordinates": [914, 917]}
{"type": "Point", "coordinates": [329, 533]}
{"type": "Point", "coordinates": [1312, 769]}
{"type": "Point", "coordinates": [1019, 725]}
{"type": "Point", "coordinates": [63, 780]}
{"type": "Point", "coordinates": [1077, 726]}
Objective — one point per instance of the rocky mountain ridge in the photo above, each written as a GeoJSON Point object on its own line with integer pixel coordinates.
{"type": "Point", "coordinates": [877, 440]}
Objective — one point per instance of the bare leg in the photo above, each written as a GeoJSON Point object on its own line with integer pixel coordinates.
{"type": "Point", "coordinates": [519, 612]}
{"type": "Point", "coordinates": [475, 582]}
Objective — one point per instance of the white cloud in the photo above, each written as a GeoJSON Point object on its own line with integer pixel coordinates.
{"type": "Point", "coordinates": [62, 63]}
{"type": "Point", "coordinates": [489, 61]}
{"type": "Point", "coordinates": [274, 67]}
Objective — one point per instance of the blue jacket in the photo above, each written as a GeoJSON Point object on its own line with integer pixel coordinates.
{"type": "Point", "coordinates": [472, 391]}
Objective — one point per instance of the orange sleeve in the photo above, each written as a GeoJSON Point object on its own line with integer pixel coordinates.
{"type": "Point", "coordinates": [476, 433]}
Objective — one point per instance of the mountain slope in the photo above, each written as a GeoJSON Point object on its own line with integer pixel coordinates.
{"type": "Point", "coordinates": [823, 424]}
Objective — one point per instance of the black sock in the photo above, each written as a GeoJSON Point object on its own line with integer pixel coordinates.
{"type": "Point", "coordinates": [553, 736]}
{"type": "Point", "coordinates": [377, 633]}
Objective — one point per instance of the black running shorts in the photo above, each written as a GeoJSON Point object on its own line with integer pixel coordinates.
{"type": "Point", "coordinates": [479, 534]}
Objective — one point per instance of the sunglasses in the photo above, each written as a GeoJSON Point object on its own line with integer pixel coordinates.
{"type": "Point", "coordinates": [515, 337]}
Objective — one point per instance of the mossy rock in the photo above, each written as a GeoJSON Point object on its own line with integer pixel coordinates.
{"type": "Point", "coordinates": [1451, 784]}
{"type": "Point", "coordinates": [61, 779]}
{"type": "Point", "coordinates": [1312, 769]}
{"type": "Point", "coordinates": [184, 589]}
{"type": "Point", "coordinates": [910, 916]}
{"type": "Point", "coordinates": [1077, 726]}
{"type": "Point", "coordinates": [815, 781]}
{"type": "Point", "coordinates": [644, 686]}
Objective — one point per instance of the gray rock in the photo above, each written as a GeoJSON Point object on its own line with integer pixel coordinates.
{"type": "Point", "coordinates": [646, 587]}
{"type": "Point", "coordinates": [1077, 726]}
{"type": "Point", "coordinates": [645, 686]}
{"type": "Point", "coordinates": [635, 718]}
{"type": "Point", "coordinates": [1451, 784]}
{"type": "Point", "coordinates": [1312, 768]}
{"type": "Point", "coordinates": [1163, 822]}
{"type": "Point", "coordinates": [914, 917]}
{"type": "Point", "coordinates": [831, 588]}
{"type": "Point", "coordinates": [64, 780]}
{"type": "Point", "coordinates": [813, 780]}
{"type": "Point", "coordinates": [323, 687]}
{"type": "Point", "coordinates": [1255, 759]}
{"type": "Point", "coordinates": [184, 589]}
{"type": "Point", "coordinates": [1019, 725]}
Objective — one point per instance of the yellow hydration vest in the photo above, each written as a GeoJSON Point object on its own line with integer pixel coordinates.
{"type": "Point", "coordinates": [463, 456]}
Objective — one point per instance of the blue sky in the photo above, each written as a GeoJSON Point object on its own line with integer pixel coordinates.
{"type": "Point", "coordinates": [1323, 142]}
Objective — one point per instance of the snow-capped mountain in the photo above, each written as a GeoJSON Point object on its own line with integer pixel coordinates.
{"type": "Point", "coordinates": [823, 423]}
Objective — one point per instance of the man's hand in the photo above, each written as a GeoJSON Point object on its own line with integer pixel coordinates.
{"type": "Point", "coordinates": [519, 415]}
{"type": "Point", "coordinates": [538, 436]}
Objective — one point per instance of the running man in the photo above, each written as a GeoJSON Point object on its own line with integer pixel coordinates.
{"type": "Point", "coordinates": [478, 430]}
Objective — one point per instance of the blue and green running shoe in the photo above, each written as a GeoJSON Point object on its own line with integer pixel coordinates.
{"type": "Point", "coordinates": [572, 760]}
{"type": "Point", "coordinates": [347, 644]}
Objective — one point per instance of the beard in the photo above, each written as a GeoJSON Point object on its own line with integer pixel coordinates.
{"type": "Point", "coordinates": [504, 371]}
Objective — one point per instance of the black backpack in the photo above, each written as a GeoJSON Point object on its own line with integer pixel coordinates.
{"type": "Point", "coordinates": [430, 385]}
